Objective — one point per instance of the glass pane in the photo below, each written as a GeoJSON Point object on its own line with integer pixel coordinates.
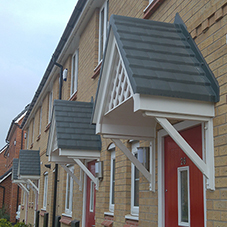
{"type": "Point", "coordinates": [136, 188]}
{"type": "Point", "coordinates": [184, 195]}
{"type": "Point", "coordinates": [67, 192]}
{"type": "Point", "coordinates": [92, 196]}
{"type": "Point", "coordinates": [113, 181]}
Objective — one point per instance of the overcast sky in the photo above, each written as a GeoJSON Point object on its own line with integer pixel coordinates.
{"type": "Point", "coordinates": [29, 33]}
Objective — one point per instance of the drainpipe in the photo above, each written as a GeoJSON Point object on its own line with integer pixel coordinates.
{"type": "Point", "coordinates": [3, 200]}
{"type": "Point", "coordinates": [56, 165]}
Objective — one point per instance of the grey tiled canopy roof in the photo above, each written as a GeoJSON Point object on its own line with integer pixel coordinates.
{"type": "Point", "coordinates": [15, 169]}
{"type": "Point", "coordinates": [29, 163]}
{"type": "Point", "coordinates": [162, 59]}
{"type": "Point", "coordinates": [73, 125]}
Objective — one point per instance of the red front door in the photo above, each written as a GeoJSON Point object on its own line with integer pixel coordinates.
{"type": "Point", "coordinates": [90, 199]}
{"type": "Point", "coordinates": [184, 205]}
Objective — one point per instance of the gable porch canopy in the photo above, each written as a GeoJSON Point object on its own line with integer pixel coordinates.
{"type": "Point", "coordinates": [152, 72]}
{"type": "Point", "coordinates": [72, 136]}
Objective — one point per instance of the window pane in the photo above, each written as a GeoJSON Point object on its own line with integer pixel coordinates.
{"type": "Point", "coordinates": [92, 196]}
{"type": "Point", "coordinates": [113, 181]}
{"type": "Point", "coordinates": [184, 196]}
{"type": "Point", "coordinates": [136, 188]}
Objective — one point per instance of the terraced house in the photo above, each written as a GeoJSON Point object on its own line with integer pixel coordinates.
{"type": "Point", "coordinates": [136, 135]}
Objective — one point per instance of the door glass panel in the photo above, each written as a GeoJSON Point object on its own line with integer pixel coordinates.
{"type": "Point", "coordinates": [92, 197]}
{"type": "Point", "coordinates": [183, 196]}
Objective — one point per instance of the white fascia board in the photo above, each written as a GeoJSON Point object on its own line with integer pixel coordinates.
{"type": "Point", "coordinates": [85, 154]}
{"type": "Point", "coordinates": [105, 80]}
{"type": "Point", "coordinates": [5, 177]}
{"type": "Point", "coordinates": [19, 182]}
{"type": "Point", "coordinates": [127, 131]}
{"type": "Point", "coordinates": [173, 107]}
{"type": "Point", "coordinates": [26, 177]}
{"type": "Point", "coordinates": [60, 159]}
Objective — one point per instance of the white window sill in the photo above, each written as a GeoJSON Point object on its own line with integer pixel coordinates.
{"type": "Point", "coordinates": [132, 217]}
{"type": "Point", "coordinates": [109, 213]}
{"type": "Point", "coordinates": [43, 209]}
{"type": "Point", "coordinates": [67, 215]}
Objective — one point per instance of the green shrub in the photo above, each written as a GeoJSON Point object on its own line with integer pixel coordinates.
{"type": "Point", "coordinates": [21, 224]}
{"type": "Point", "coordinates": [5, 223]}
{"type": "Point", "coordinates": [4, 214]}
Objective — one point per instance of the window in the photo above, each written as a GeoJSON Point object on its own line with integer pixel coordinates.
{"type": "Point", "coordinates": [50, 106]}
{"type": "Point", "coordinates": [112, 176]}
{"type": "Point", "coordinates": [74, 77]}
{"type": "Point", "coordinates": [33, 130]}
{"type": "Point", "coordinates": [69, 192]}
{"type": "Point", "coordinates": [92, 197]}
{"type": "Point", "coordinates": [103, 23]}
{"type": "Point", "coordinates": [183, 196]}
{"type": "Point", "coordinates": [134, 183]}
{"type": "Point", "coordinates": [27, 138]}
{"type": "Point", "coordinates": [45, 190]}
{"type": "Point", "coordinates": [40, 120]}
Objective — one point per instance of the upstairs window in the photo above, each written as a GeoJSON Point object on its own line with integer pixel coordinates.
{"type": "Point", "coordinates": [69, 193]}
{"type": "Point", "coordinates": [27, 138]}
{"type": "Point", "coordinates": [40, 120]}
{"type": "Point", "coordinates": [74, 77]}
{"type": "Point", "coordinates": [103, 23]}
{"type": "Point", "coordinates": [50, 106]}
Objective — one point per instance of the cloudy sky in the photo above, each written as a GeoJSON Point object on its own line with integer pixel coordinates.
{"type": "Point", "coordinates": [29, 33]}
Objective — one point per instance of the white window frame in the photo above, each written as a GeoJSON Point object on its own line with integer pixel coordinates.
{"type": "Point", "coordinates": [179, 170]}
{"type": "Point", "coordinates": [103, 23]}
{"type": "Point", "coordinates": [74, 70]}
{"type": "Point", "coordinates": [50, 106]}
{"type": "Point", "coordinates": [134, 209]}
{"type": "Point", "coordinates": [40, 120]}
{"type": "Point", "coordinates": [69, 192]}
{"type": "Point", "coordinates": [112, 150]}
{"type": "Point", "coordinates": [45, 190]}
{"type": "Point", "coordinates": [27, 138]}
{"type": "Point", "coordinates": [33, 130]}
{"type": "Point", "coordinates": [92, 195]}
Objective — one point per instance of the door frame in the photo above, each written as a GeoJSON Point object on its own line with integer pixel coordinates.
{"type": "Point", "coordinates": [161, 170]}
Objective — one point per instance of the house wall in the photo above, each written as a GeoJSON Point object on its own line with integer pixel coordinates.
{"type": "Point", "coordinates": [206, 21]}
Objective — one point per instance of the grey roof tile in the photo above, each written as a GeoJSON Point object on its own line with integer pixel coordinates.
{"type": "Point", "coordinates": [29, 163]}
{"type": "Point", "coordinates": [162, 59]}
{"type": "Point", "coordinates": [73, 125]}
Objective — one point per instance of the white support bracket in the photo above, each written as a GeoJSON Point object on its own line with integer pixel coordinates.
{"type": "Point", "coordinates": [33, 185]}
{"type": "Point", "coordinates": [202, 166]}
{"type": "Point", "coordinates": [149, 176]}
{"type": "Point", "coordinates": [79, 182]}
{"type": "Point", "coordinates": [23, 188]}
{"type": "Point", "coordinates": [89, 174]}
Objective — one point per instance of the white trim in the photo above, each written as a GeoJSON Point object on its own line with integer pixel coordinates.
{"type": "Point", "coordinates": [131, 217]}
{"type": "Point", "coordinates": [104, 8]}
{"type": "Point", "coordinates": [150, 176]}
{"type": "Point", "coordinates": [150, 1]}
{"type": "Point", "coordinates": [45, 190]}
{"type": "Point", "coordinates": [109, 213]}
{"type": "Point", "coordinates": [111, 205]}
{"type": "Point", "coordinates": [175, 135]}
{"type": "Point", "coordinates": [69, 191]}
{"type": "Point", "coordinates": [89, 174]}
{"type": "Point", "coordinates": [179, 170]}
{"type": "Point", "coordinates": [5, 177]}
{"type": "Point", "coordinates": [79, 182]}
{"type": "Point", "coordinates": [33, 185]}
{"type": "Point", "coordinates": [134, 209]}
{"type": "Point", "coordinates": [161, 169]}
{"type": "Point", "coordinates": [74, 72]}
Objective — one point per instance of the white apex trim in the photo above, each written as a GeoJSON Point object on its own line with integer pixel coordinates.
{"type": "Point", "coordinates": [5, 177]}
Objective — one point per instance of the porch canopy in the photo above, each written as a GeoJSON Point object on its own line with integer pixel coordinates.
{"type": "Point", "coordinates": [15, 179]}
{"type": "Point", "coordinates": [152, 72]}
{"type": "Point", "coordinates": [29, 167]}
{"type": "Point", "coordinates": [72, 137]}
